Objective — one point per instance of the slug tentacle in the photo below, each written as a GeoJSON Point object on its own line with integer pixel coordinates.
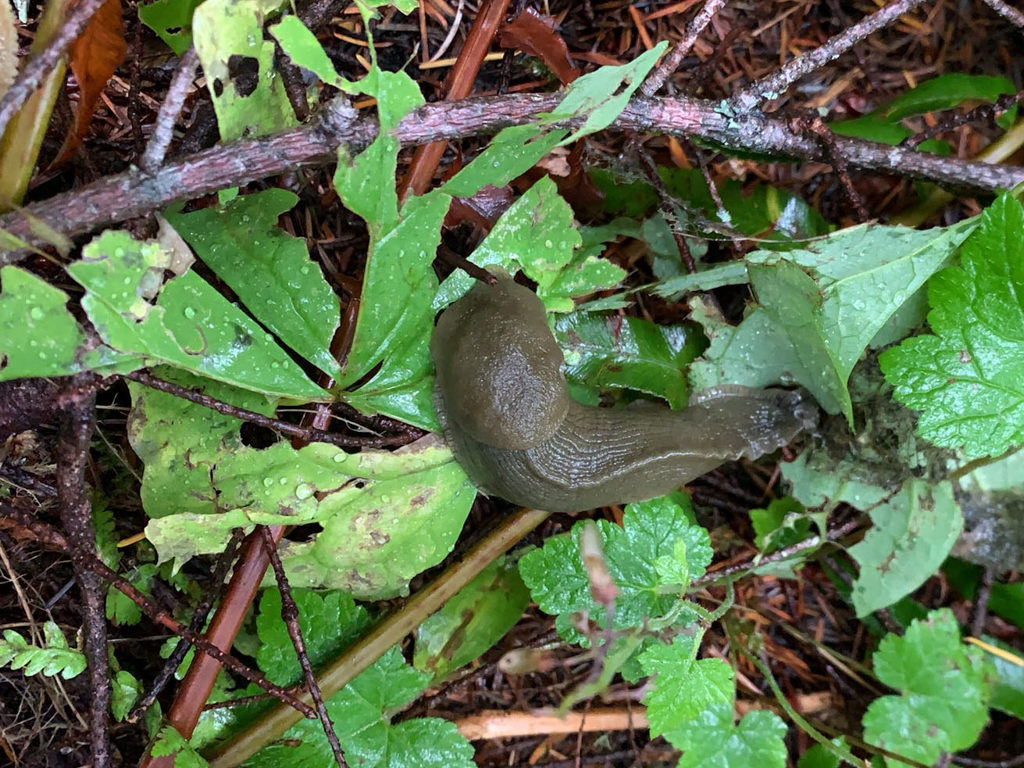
{"type": "Point", "coordinates": [503, 402]}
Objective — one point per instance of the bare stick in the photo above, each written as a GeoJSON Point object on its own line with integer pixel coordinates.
{"type": "Point", "coordinates": [34, 72]}
{"type": "Point", "coordinates": [308, 434]}
{"type": "Point", "coordinates": [671, 62]}
{"type": "Point", "coordinates": [134, 193]}
{"type": "Point", "coordinates": [776, 83]}
{"type": "Point", "coordinates": [290, 614]}
{"type": "Point", "coordinates": [174, 100]}
{"type": "Point", "coordinates": [79, 397]}
{"type": "Point", "coordinates": [1009, 13]}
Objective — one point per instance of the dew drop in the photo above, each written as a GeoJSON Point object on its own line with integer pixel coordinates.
{"type": "Point", "coordinates": [303, 491]}
{"type": "Point", "coordinates": [190, 313]}
{"type": "Point", "coordinates": [340, 456]}
{"type": "Point", "coordinates": [36, 313]}
{"type": "Point", "coordinates": [268, 481]}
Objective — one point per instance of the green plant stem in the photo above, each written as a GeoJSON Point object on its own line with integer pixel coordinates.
{"type": "Point", "coordinates": [610, 666]}
{"type": "Point", "coordinates": [391, 630]}
{"type": "Point", "coordinates": [843, 754]}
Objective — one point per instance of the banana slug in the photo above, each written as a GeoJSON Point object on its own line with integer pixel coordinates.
{"type": "Point", "coordinates": [502, 400]}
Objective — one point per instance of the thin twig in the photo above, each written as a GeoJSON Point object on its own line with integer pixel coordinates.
{"type": "Point", "coordinates": [786, 552]}
{"type": "Point", "coordinates": [174, 100]}
{"type": "Point", "coordinates": [778, 82]}
{"type": "Point", "coordinates": [682, 47]}
{"type": "Point", "coordinates": [955, 119]}
{"type": "Point", "coordinates": [1009, 13]}
{"type": "Point", "coordinates": [1013, 762]}
{"type": "Point", "coordinates": [308, 434]}
{"type": "Point", "coordinates": [668, 208]}
{"type": "Point", "coordinates": [160, 616]}
{"type": "Point", "coordinates": [78, 398]}
{"type": "Point", "coordinates": [202, 610]}
{"type": "Point", "coordinates": [449, 256]}
{"type": "Point", "coordinates": [815, 126]}
{"type": "Point", "coordinates": [981, 602]}
{"type": "Point", "coordinates": [36, 69]}
{"type": "Point", "coordinates": [290, 615]}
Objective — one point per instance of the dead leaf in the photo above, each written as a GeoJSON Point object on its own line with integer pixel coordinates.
{"type": "Point", "coordinates": [535, 34]}
{"type": "Point", "coordinates": [93, 58]}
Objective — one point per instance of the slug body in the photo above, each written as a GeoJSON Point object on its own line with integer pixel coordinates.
{"type": "Point", "coordinates": [505, 408]}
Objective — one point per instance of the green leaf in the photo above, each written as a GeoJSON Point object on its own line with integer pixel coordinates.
{"type": "Point", "coordinates": [817, 482]}
{"type": "Point", "coordinates": [171, 20]}
{"type": "Point", "coordinates": [366, 183]}
{"type": "Point", "coordinates": [170, 742]}
{"type": "Point", "coordinates": [712, 740]}
{"type": "Point", "coordinates": [269, 269]}
{"type": "Point", "coordinates": [225, 31]}
{"type": "Point", "coordinates": [817, 756]}
{"type": "Point", "coordinates": [945, 92]}
{"type": "Point", "coordinates": [329, 621]}
{"type": "Point", "coordinates": [820, 308]}
{"type": "Point", "coordinates": [912, 534]}
{"type": "Point", "coordinates": [38, 336]}
{"type": "Point", "coordinates": [942, 92]}
{"type": "Point", "coordinates": [601, 95]}
{"type": "Point", "coordinates": [200, 481]}
{"type": "Point", "coordinates": [536, 235]}
{"type": "Point", "coordinates": [967, 377]}
{"type": "Point", "coordinates": [783, 523]}
{"type": "Point", "coordinates": [120, 608]}
{"type": "Point", "coordinates": [361, 715]}
{"type": "Point", "coordinates": [472, 621]}
{"type": "Point", "coordinates": [631, 198]}
{"type": "Point", "coordinates": [636, 555]}
{"type": "Point", "coordinates": [945, 688]}
{"type": "Point", "coordinates": [179, 442]}
{"type": "Point", "coordinates": [395, 320]}
{"type": "Point", "coordinates": [125, 690]}
{"type": "Point", "coordinates": [684, 686]}
{"type": "Point", "coordinates": [915, 525]}
{"type": "Point", "coordinates": [385, 516]}
{"type": "Point", "coordinates": [305, 51]}
{"type": "Point", "coordinates": [190, 326]}
{"type": "Point", "coordinates": [730, 273]}
{"type": "Point", "coordinates": [511, 153]}
{"type": "Point", "coordinates": [1006, 600]}
{"type": "Point", "coordinates": [628, 353]}
{"type": "Point", "coordinates": [1008, 693]}
{"type": "Point", "coordinates": [54, 657]}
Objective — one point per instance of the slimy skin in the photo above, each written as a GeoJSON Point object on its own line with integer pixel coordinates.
{"type": "Point", "coordinates": [502, 400]}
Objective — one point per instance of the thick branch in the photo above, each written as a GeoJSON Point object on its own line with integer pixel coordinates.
{"type": "Point", "coordinates": [134, 193]}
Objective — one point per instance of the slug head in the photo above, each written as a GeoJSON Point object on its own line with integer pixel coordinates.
{"type": "Point", "coordinates": [499, 375]}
